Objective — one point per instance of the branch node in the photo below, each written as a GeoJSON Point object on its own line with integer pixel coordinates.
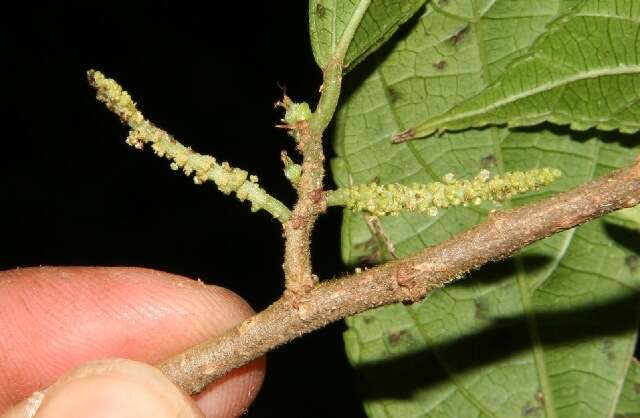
{"type": "Point", "coordinates": [296, 293]}
{"type": "Point", "coordinates": [412, 289]}
{"type": "Point", "coordinates": [296, 221]}
{"type": "Point", "coordinates": [318, 196]}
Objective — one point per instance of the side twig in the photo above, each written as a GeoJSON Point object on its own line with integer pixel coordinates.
{"type": "Point", "coordinates": [299, 278]}
{"type": "Point", "coordinates": [409, 279]}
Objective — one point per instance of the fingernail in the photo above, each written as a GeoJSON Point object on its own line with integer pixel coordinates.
{"type": "Point", "coordinates": [33, 403]}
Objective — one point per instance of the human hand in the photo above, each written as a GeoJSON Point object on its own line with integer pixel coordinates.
{"type": "Point", "coordinates": [54, 319]}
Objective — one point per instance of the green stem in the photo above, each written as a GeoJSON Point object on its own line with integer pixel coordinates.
{"type": "Point", "coordinates": [332, 73]}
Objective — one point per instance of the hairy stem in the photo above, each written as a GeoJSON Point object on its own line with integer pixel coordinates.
{"type": "Point", "coordinates": [299, 277]}
{"type": "Point", "coordinates": [409, 279]}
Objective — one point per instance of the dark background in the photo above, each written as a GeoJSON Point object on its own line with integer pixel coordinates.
{"type": "Point", "coordinates": [75, 194]}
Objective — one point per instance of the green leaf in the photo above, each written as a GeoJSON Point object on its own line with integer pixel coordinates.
{"type": "Point", "coordinates": [585, 72]}
{"type": "Point", "coordinates": [629, 401]}
{"type": "Point", "coordinates": [548, 333]}
{"type": "Point", "coordinates": [631, 215]}
{"type": "Point", "coordinates": [329, 18]}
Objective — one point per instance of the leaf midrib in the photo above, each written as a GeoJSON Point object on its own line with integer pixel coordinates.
{"type": "Point", "coordinates": [592, 74]}
{"type": "Point", "coordinates": [333, 26]}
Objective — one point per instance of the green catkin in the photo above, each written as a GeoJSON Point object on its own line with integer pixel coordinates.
{"type": "Point", "coordinates": [390, 199]}
{"type": "Point", "coordinates": [203, 167]}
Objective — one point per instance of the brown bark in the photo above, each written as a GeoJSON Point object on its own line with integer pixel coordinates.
{"type": "Point", "coordinates": [408, 279]}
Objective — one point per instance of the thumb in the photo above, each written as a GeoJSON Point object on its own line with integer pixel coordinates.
{"type": "Point", "coordinates": [114, 388]}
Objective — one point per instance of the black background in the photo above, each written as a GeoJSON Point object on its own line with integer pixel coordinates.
{"type": "Point", "coordinates": [75, 194]}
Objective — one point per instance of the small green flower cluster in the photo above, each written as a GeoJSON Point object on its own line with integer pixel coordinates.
{"type": "Point", "coordinates": [117, 100]}
{"type": "Point", "coordinates": [390, 199]}
{"type": "Point", "coordinates": [292, 171]}
{"type": "Point", "coordinates": [296, 112]}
